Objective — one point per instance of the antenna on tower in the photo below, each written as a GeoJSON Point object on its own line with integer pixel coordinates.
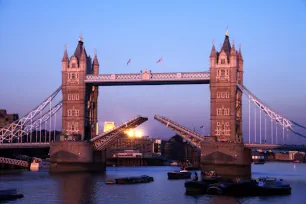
{"type": "Point", "coordinates": [81, 38]}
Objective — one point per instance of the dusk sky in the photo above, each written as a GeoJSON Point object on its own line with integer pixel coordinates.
{"type": "Point", "coordinates": [272, 35]}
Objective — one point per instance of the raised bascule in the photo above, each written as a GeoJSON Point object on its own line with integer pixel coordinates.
{"type": "Point", "coordinates": [81, 148]}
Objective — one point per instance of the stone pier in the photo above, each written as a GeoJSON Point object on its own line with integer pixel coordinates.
{"type": "Point", "coordinates": [229, 160]}
{"type": "Point", "coordinates": [76, 156]}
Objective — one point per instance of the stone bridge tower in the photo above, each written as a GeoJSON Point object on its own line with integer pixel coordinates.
{"type": "Point", "coordinates": [226, 70]}
{"type": "Point", "coordinates": [79, 111]}
{"type": "Point", "coordinates": [227, 154]}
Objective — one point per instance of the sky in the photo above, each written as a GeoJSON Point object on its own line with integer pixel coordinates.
{"type": "Point", "coordinates": [271, 33]}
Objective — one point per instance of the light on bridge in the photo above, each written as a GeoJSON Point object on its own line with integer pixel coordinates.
{"type": "Point", "coordinates": [134, 133]}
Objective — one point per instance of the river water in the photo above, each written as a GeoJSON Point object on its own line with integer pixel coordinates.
{"type": "Point", "coordinates": [41, 188]}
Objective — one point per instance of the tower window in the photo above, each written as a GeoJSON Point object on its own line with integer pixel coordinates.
{"type": "Point", "coordinates": [222, 95]}
{"type": "Point", "coordinates": [222, 61]}
{"type": "Point", "coordinates": [227, 94]}
{"type": "Point", "coordinates": [218, 94]}
{"type": "Point", "coordinates": [219, 111]}
{"type": "Point", "coordinates": [73, 97]}
{"type": "Point", "coordinates": [222, 73]}
{"type": "Point", "coordinates": [226, 111]}
{"type": "Point", "coordinates": [73, 65]}
{"type": "Point", "coordinates": [226, 72]}
{"type": "Point", "coordinates": [73, 75]}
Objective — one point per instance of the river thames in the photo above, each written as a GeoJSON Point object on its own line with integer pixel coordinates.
{"type": "Point", "coordinates": [40, 187]}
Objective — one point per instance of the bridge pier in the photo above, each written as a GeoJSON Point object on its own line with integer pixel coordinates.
{"type": "Point", "coordinates": [76, 156]}
{"type": "Point", "coordinates": [229, 160]}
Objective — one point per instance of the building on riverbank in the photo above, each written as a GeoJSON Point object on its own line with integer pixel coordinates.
{"type": "Point", "coordinates": [6, 119]}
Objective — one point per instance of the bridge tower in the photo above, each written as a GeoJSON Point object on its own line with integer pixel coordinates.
{"type": "Point", "coordinates": [79, 117]}
{"type": "Point", "coordinates": [226, 71]}
{"type": "Point", "coordinates": [79, 111]}
{"type": "Point", "coordinates": [226, 153]}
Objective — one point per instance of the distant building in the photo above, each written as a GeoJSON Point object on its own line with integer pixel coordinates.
{"type": "Point", "coordinates": [108, 126]}
{"type": "Point", "coordinates": [145, 145]}
{"type": "Point", "coordinates": [6, 119]}
{"type": "Point", "coordinates": [178, 149]}
{"type": "Point", "coordinates": [279, 156]}
{"type": "Point", "coordinates": [292, 154]}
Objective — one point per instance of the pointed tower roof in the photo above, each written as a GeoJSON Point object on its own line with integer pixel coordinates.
{"type": "Point", "coordinates": [65, 57]}
{"type": "Point", "coordinates": [213, 52]}
{"type": "Point", "coordinates": [95, 61]}
{"type": "Point", "coordinates": [79, 49]}
{"type": "Point", "coordinates": [240, 53]}
{"type": "Point", "coordinates": [83, 54]}
{"type": "Point", "coordinates": [226, 47]}
{"type": "Point", "coordinates": [233, 50]}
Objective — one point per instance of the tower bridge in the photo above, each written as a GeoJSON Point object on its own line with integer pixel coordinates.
{"type": "Point", "coordinates": [80, 148]}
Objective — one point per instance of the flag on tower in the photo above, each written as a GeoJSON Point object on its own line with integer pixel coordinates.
{"type": "Point", "coordinates": [160, 60]}
{"type": "Point", "coordinates": [128, 62]}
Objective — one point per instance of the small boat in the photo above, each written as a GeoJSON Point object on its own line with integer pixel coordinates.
{"type": "Point", "coordinates": [9, 194]}
{"type": "Point", "coordinates": [192, 168]}
{"type": "Point", "coordinates": [131, 180]}
{"type": "Point", "coordinates": [261, 161]}
{"type": "Point", "coordinates": [174, 163]}
{"type": "Point", "coordinates": [273, 186]}
{"type": "Point", "coordinates": [183, 174]}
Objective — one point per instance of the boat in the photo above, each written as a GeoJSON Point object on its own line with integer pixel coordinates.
{"type": "Point", "coordinates": [196, 187]}
{"type": "Point", "coordinates": [259, 161]}
{"type": "Point", "coordinates": [174, 163]}
{"type": "Point", "coordinates": [263, 187]}
{"type": "Point", "coordinates": [183, 174]}
{"type": "Point", "coordinates": [131, 180]}
{"type": "Point", "coordinates": [9, 194]}
{"type": "Point", "coordinates": [200, 187]}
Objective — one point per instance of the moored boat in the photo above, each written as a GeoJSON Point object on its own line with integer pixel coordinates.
{"type": "Point", "coordinates": [9, 194]}
{"type": "Point", "coordinates": [259, 161]}
{"type": "Point", "coordinates": [200, 187]}
{"type": "Point", "coordinates": [131, 180]}
{"type": "Point", "coordinates": [196, 187]}
{"type": "Point", "coordinates": [263, 187]}
{"type": "Point", "coordinates": [184, 174]}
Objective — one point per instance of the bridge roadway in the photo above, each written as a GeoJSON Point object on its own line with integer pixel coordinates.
{"type": "Point", "coordinates": [249, 145]}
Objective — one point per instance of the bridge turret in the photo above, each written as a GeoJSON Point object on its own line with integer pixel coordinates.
{"type": "Point", "coordinates": [233, 56]}
{"type": "Point", "coordinates": [240, 66]}
{"type": "Point", "coordinates": [213, 56]}
{"type": "Point", "coordinates": [95, 65]}
{"type": "Point", "coordinates": [65, 60]}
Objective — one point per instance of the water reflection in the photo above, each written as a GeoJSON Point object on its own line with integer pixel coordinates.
{"type": "Point", "coordinates": [225, 200]}
{"type": "Point", "coordinates": [76, 187]}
